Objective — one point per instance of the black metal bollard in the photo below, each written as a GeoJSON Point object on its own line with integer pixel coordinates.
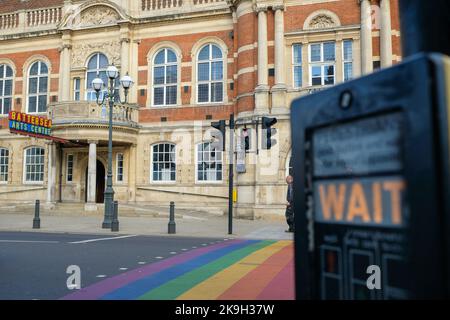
{"type": "Point", "coordinates": [172, 225]}
{"type": "Point", "coordinates": [115, 219]}
{"type": "Point", "coordinates": [36, 220]}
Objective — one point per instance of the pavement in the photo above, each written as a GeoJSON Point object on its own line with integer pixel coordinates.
{"type": "Point", "coordinates": [39, 265]}
{"type": "Point", "coordinates": [211, 226]}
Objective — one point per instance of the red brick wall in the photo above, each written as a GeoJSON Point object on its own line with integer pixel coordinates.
{"type": "Point", "coordinates": [15, 5]}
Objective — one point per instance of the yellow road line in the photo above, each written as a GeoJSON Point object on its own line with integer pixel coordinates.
{"type": "Point", "coordinates": [213, 287]}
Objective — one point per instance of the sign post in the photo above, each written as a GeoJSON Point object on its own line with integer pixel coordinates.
{"type": "Point", "coordinates": [371, 171]}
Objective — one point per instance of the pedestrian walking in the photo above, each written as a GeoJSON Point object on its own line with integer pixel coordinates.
{"type": "Point", "coordinates": [290, 202]}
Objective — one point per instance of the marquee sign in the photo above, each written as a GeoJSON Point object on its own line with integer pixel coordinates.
{"type": "Point", "coordinates": [27, 123]}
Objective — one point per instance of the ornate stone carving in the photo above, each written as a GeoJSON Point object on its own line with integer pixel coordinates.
{"type": "Point", "coordinates": [322, 21]}
{"type": "Point", "coordinates": [98, 15]}
{"type": "Point", "coordinates": [81, 51]}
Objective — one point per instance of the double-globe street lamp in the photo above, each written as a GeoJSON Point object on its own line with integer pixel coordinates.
{"type": "Point", "coordinates": [97, 85]}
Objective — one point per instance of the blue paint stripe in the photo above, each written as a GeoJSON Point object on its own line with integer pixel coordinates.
{"type": "Point", "coordinates": [137, 288]}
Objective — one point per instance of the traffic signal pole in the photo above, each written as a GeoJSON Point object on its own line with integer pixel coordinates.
{"type": "Point", "coordinates": [230, 176]}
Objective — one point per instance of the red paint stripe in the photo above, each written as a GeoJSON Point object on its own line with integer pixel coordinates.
{"type": "Point", "coordinates": [251, 285]}
{"type": "Point", "coordinates": [282, 287]}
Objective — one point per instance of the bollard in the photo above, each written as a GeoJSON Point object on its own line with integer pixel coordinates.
{"type": "Point", "coordinates": [36, 220]}
{"type": "Point", "coordinates": [172, 225]}
{"type": "Point", "coordinates": [115, 220]}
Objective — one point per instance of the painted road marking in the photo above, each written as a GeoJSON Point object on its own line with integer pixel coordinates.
{"type": "Point", "coordinates": [28, 241]}
{"type": "Point", "coordinates": [250, 269]}
{"type": "Point", "coordinates": [141, 262]}
{"type": "Point", "coordinates": [123, 269]}
{"type": "Point", "coordinates": [173, 252]}
{"type": "Point", "coordinates": [220, 282]}
{"type": "Point", "coordinates": [101, 276]}
{"type": "Point", "coordinates": [174, 288]}
{"type": "Point", "coordinates": [183, 249]}
{"type": "Point", "coordinates": [104, 239]}
{"type": "Point", "coordinates": [159, 257]}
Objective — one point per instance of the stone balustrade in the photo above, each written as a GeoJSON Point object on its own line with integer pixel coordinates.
{"type": "Point", "coordinates": [89, 113]}
{"type": "Point", "coordinates": [25, 21]}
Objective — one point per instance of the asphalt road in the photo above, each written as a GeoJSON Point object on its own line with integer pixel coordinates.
{"type": "Point", "coordinates": [33, 264]}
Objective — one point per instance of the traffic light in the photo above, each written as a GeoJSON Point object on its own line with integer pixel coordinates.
{"type": "Point", "coordinates": [218, 142]}
{"type": "Point", "coordinates": [268, 142]}
{"type": "Point", "coordinates": [246, 139]}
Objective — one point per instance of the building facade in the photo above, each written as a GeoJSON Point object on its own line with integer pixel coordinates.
{"type": "Point", "coordinates": [193, 62]}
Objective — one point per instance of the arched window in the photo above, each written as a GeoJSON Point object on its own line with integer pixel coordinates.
{"type": "Point", "coordinates": [6, 82]}
{"type": "Point", "coordinates": [209, 163]}
{"type": "Point", "coordinates": [34, 164]}
{"type": "Point", "coordinates": [165, 78]}
{"type": "Point", "coordinates": [210, 74]}
{"type": "Point", "coordinates": [96, 67]}
{"type": "Point", "coordinates": [37, 87]}
{"type": "Point", "coordinates": [163, 162]}
{"type": "Point", "coordinates": [4, 164]}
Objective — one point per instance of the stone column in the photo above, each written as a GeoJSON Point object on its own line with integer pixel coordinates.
{"type": "Point", "coordinates": [279, 89]}
{"type": "Point", "coordinates": [366, 37]}
{"type": "Point", "coordinates": [279, 46]}
{"type": "Point", "coordinates": [385, 34]}
{"type": "Point", "coordinates": [124, 49]}
{"type": "Point", "coordinates": [262, 89]}
{"type": "Point", "coordinates": [92, 176]}
{"type": "Point", "coordinates": [51, 173]}
{"type": "Point", "coordinates": [66, 51]}
{"type": "Point", "coordinates": [262, 48]}
{"type": "Point", "coordinates": [132, 173]}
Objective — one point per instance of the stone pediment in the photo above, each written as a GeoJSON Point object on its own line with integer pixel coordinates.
{"type": "Point", "coordinates": [97, 16]}
{"type": "Point", "coordinates": [92, 14]}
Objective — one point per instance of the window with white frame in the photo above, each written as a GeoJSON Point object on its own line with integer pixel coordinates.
{"type": "Point", "coordinates": [347, 47]}
{"type": "Point", "coordinates": [297, 64]}
{"type": "Point", "coordinates": [6, 83]}
{"type": "Point", "coordinates": [96, 67]}
{"type": "Point", "coordinates": [163, 162]}
{"type": "Point", "coordinates": [165, 78]}
{"type": "Point", "coordinates": [210, 74]}
{"type": "Point", "coordinates": [37, 87]}
{"type": "Point", "coordinates": [322, 59]}
{"type": "Point", "coordinates": [119, 165]}
{"type": "Point", "coordinates": [34, 164]}
{"type": "Point", "coordinates": [69, 167]}
{"type": "Point", "coordinates": [4, 164]}
{"type": "Point", "coordinates": [209, 163]}
{"type": "Point", "coordinates": [76, 89]}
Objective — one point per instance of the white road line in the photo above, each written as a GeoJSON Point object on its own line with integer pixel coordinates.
{"type": "Point", "coordinates": [158, 257]}
{"type": "Point", "coordinates": [204, 244]}
{"type": "Point", "coordinates": [173, 252]}
{"type": "Point", "coordinates": [123, 269]}
{"type": "Point", "coordinates": [103, 239]}
{"type": "Point", "coordinates": [101, 276]}
{"type": "Point", "coordinates": [28, 241]}
{"type": "Point", "coordinates": [141, 262]}
{"type": "Point", "coordinates": [194, 247]}
{"type": "Point", "coordinates": [183, 249]}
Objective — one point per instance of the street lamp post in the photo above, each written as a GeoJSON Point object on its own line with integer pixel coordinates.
{"type": "Point", "coordinates": [97, 85]}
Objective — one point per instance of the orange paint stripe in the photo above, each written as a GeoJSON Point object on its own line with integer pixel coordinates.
{"type": "Point", "coordinates": [282, 287]}
{"type": "Point", "coordinates": [250, 286]}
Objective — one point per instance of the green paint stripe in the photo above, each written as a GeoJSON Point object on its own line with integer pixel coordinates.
{"type": "Point", "coordinates": [176, 287]}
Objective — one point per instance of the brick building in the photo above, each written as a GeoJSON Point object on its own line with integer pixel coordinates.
{"type": "Point", "coordinates": [193, 62]}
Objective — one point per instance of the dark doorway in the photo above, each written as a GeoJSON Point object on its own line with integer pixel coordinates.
{"type": "Point", "coordinates": [100, 183]}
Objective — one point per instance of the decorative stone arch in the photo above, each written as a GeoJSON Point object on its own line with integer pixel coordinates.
{"type": "Point", "coordinates": [150, 59]}
{"type": "Point", "coordinates": [94, 13]}
{"type": "Point", "coordinates": [194, 58]}
{"type": "Point", "coordinates": [83, 165]}
{"type": "Point", "coordinates": [11, 64]}
{"type": "Point", "coordinates": [321, 19]}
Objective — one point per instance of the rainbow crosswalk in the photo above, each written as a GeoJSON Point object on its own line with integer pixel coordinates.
{"type": "Point", "coordinates": [230, 270]}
